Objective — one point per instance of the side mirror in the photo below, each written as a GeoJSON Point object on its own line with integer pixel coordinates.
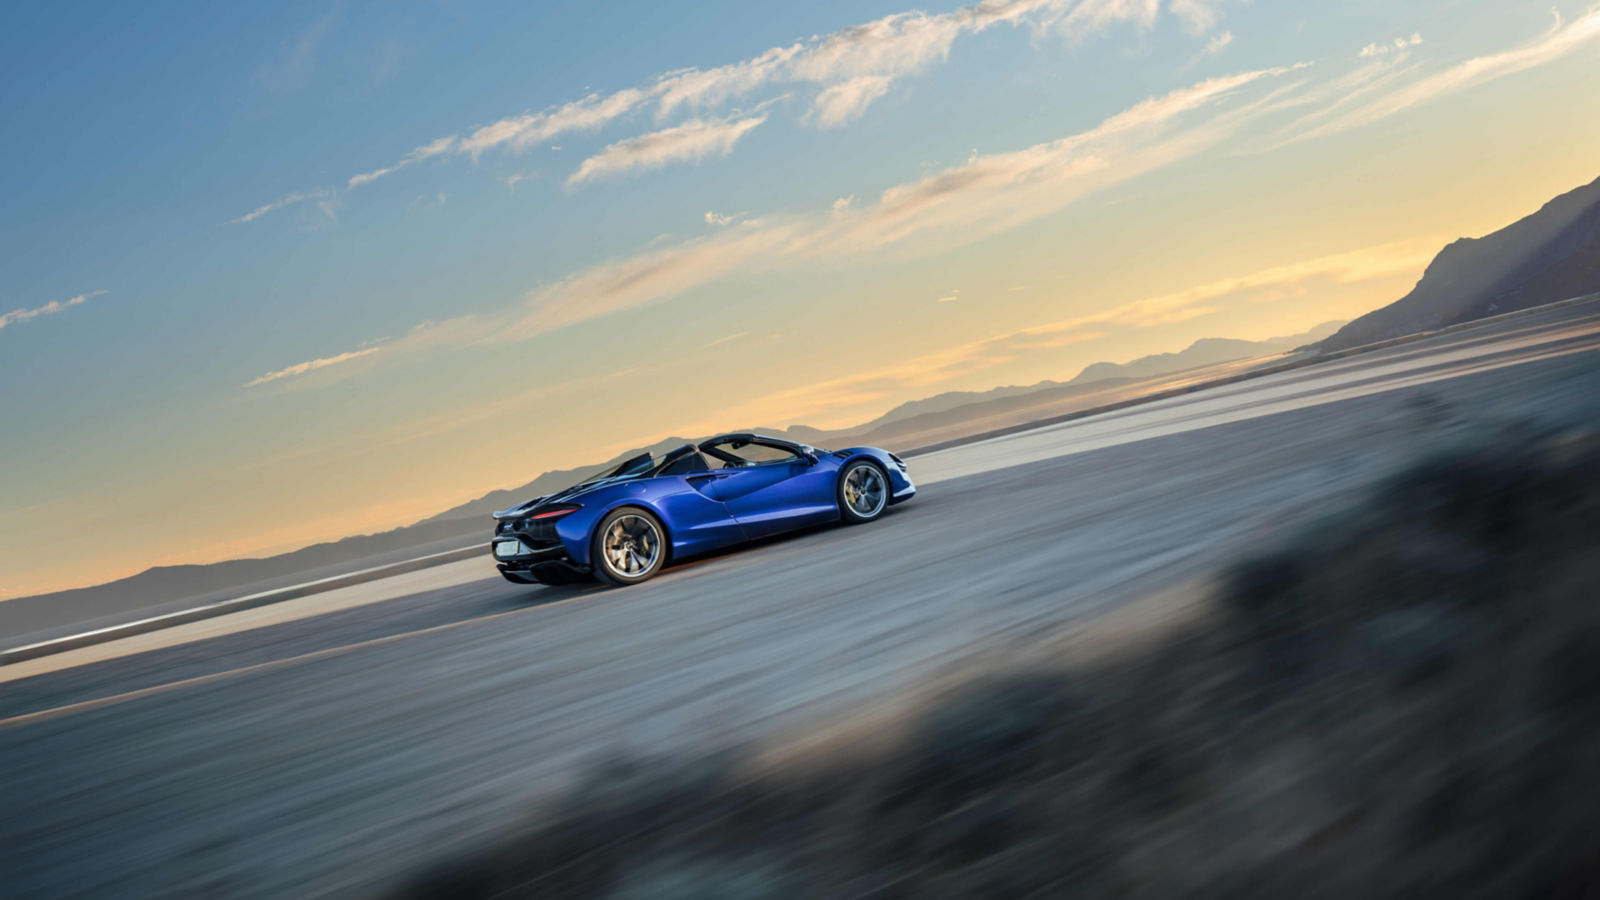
{"type": "Point", "coordinates": [811, 458]}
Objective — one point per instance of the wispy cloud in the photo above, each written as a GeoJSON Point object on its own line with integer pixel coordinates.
{"type": "Point", "coordinates": [1199, 16]}
{"type": "Point", "coordinates": [1218, 43]}
{"type": "Point", "coordinates": [983, 195]}
{"type": "Point", "coordinates": [1352, 266]}
{"type": "Point", "coordinates": [995, 192]}
{"type": "Point", "coordinates": [1398, 45]}
{"type": "Point", "coordinates": [322, 196]}
{"type": "Point", "coordinates": [692, 141]}
{"type": "Point", "coordinates": [845, 102]}
{"type": "Point", "coordinates": [850, 67]}
{"type": "Point", "coordinates": [312, 365]}
{"type": "Point", "coordinates": [1556, 43]}
{"type": "Point", "coordinates": [723, 220]}
{"type": "Point", "coordinates": [1213, 49]}
{"type": "Point", "coordinates": [49, 309]}
{"type": "Point", "coordinates": [426, 151]}
{"type": "Point", "coordinates": [294, 67]}
{"type": "Point", "coordinates": [517, 132]}
{"type": "Point", "coordinates": [890, 47]}
{"type": "Point", "coordinates": [1093, 14]}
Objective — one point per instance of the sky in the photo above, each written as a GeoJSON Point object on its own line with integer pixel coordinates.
{"type": "Point", "coordinates": [283, 273]}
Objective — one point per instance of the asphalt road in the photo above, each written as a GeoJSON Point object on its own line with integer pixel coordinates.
{"type": "Point", "coordinates": [326, 753]}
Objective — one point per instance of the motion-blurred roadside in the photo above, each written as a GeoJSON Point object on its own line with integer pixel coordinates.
{"type": "Point", "coordinates": [1400, 701]}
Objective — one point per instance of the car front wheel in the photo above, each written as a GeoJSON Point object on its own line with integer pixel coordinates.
{"type": "Point", "coordinates": [863, 492]}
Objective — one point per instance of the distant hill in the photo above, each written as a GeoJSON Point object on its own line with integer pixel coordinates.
{"type": "Point", "coordinates": [1204, 352]}
{"type": "Point", "coordinates": [1551, 255]}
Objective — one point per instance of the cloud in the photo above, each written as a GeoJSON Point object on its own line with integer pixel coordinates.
{"type": "Point", "coordinates": [1398, 45]}
{"type": "Point", "coordinates": [312, 365]}
{"type": "Point", "coordinates": [983, 195]}
{"type": "Point", "coordinates": [1212, 50]}
{"type": "Point", "coordinates": [1199, 16]}
{"type": "Point", "coordinates": [322, 195]}
{"type": "Point", "coordinates": [851, 67]}
{"type": "Point", "coordinates": [992, 193]}
{"type": "Point", "coordinates": [1365, 264]}
{"type": "Point", "coordinates": [517, 132]}
{"type": "Point", "coordinates": [521, 132]}
{"type": "Point", "coordinates": [713, 87]}
{"type": "Point", "coordinates": [49, 309]}
{"type": "Point", "coordinates": [426, 151]}
{"type": "Point", "coordinates": [845, 102]}
{"type": "Point", "coordinates": [690, 142]}
{"type": "Point", "coordinates": [714, 218]}
{"type": "Point", "coordinates": [294, 68]}
{"type": "Point", "coordinates": [881, 50]}
{"type": "Point", "coordinates": [1340, 94]}
{"type": "Point", "coordinates": [1559, 41]}
{"type": "Point", "coordinates": [880, 384]}
{"type": "Point", "coordinates": [635, 281]}
{"type": "Point", "coordinates": [1094, 14]}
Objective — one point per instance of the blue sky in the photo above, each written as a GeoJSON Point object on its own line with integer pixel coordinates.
{"type": "Point", "coordinates": [594, 225]}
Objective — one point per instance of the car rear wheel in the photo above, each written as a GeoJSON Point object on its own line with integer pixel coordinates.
{"type": "Point", "coordinates": [863, 492]}
{"type": "Point", "coordinates": [629, 546]}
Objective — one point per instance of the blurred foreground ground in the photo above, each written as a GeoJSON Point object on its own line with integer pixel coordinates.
{"type": "Point", "coordinates": [1400, 701]}
{"type": "Point", "coordinates": [339, 753]}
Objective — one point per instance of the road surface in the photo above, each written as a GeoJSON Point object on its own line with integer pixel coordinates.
{"type": "Point", "coordinates": [327, 748]}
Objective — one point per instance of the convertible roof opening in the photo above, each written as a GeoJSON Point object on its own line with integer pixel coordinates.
{"type": "Point", "coordinates": [686, 459]}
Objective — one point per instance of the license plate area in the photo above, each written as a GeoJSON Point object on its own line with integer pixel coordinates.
{"type": "Point", "coordinates": [508, 549]}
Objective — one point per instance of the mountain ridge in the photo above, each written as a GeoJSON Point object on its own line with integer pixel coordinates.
{"type": "Point", "coordinates": [1549, 255]}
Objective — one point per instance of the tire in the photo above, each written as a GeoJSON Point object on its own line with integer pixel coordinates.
{"type": "Point", "coordinates": [863, 492]}
{"type": "Point", "coordinates": [629, 546]}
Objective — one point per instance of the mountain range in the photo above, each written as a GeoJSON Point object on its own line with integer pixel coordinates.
{"type": "Point", "coordinates": [1553, 254]}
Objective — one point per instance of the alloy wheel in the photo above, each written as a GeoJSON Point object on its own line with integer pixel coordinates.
{"type": "Point", "coordinates": [865, 490]}
{"type": "Point", "coordinates": [632, 545]}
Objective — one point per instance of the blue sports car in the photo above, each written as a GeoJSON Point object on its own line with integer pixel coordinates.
{"type": "Point", "coordinates": [622, 525]}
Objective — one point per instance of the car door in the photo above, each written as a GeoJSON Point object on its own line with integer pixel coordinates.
{"type": "Point", "coordinates": [698, 519]}
{"type": "Point", "coordinates": [775, 490]}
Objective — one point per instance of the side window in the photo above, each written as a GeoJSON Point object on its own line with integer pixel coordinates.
{"type": "Point", "coordinates": [756, 454]}
{"type": "Point", "coordinates": [687, 465]}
